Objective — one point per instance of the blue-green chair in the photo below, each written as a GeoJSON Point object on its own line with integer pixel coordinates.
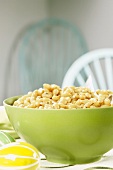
{"type": "Point", "coordinates": [42, 53]}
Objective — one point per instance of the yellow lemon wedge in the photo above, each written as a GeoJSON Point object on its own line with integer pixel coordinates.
{"type": "Point", "coordinates": [21, 149]}
{"type": "Point", "coordinates": [16, 160]}
{"type": "Point", "coordinates": [19, 154]}
{"type": "Point", "coordinates": [12, 162]}
{"type": "Point", "coordinates": [30, 146]}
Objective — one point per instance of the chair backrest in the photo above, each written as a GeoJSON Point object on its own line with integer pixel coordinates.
{"type": "Point", "coordinates": [44, 50]}
{"type": "Point", "coordinates": [98, 64]}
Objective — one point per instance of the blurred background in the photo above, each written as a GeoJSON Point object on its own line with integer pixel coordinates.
{"type": "Point", "coordinates": [92, 17]}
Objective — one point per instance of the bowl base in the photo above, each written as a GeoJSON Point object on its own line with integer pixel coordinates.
{"type": "Point", "coordinates": [105, 163]}
{"type": "Point", "coordinates": [47, 164]}
{"type": "Point", "coordinates": [65, 163]}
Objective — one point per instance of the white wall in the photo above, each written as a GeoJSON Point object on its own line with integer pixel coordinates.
{"type": "Point", "coordinates": [93, 17]}
{"type": "Point", "coordinates": [14, 15]}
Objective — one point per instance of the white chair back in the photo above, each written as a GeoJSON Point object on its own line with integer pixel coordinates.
{"type": "Point", "coordinates": [98, 64]}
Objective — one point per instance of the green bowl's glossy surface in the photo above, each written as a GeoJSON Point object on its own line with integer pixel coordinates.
{"type": "Point", "coordinates": [65, 136]}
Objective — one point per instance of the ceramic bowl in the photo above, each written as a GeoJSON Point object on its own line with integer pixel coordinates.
{"type": "Point", "coordinates": [65, 136]}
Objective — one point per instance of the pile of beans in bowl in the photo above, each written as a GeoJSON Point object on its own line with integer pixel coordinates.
{"type": "Point", "coordinates": [51, 96]}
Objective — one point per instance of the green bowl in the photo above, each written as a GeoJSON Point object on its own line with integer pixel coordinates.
{"type": "Point", "coordinates": [74, 136]}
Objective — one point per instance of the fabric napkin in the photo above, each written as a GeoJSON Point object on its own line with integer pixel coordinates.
{"type": "Point", "coordinates": [5, 124]}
